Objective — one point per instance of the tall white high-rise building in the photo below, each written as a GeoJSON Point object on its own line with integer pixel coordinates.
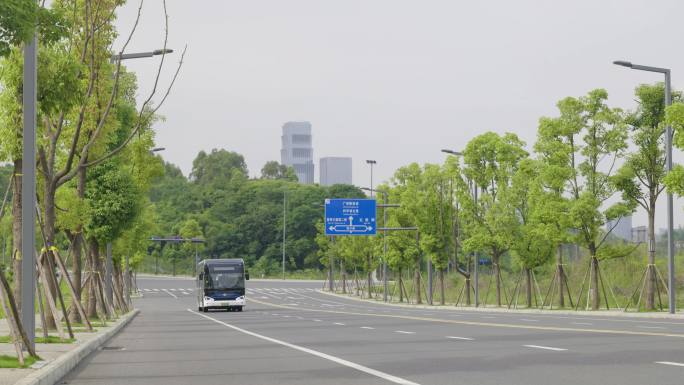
{"type": "Point", "coordinates": [622, 227]}
{"type": "Point", "coordinates": [335, 170]}
{"type": "Point", "coordinates": [296, 150]}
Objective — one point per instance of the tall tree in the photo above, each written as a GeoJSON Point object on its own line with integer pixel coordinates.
{"type": "Point", "coordinates": [490, 161]}
{"type": "Point", "coordinates": [641, 176]}
{"type": "Point", "coordinates": [533, 245]}
{"type": "Point", "coordinates": [584, 143]}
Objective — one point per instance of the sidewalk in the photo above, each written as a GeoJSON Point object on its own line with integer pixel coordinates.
{"type": "Point", "coordinates": [611, 313]}
{"type": "Point", "coordinates": [58, 359]}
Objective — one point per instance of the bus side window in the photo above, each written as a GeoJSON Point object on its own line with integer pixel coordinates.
{"type": "Point", "coordinates": [201, 276]}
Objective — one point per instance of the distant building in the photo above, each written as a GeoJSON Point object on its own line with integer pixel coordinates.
{"type": "Point", "coordinates": [640, 234]}
{"type": "Point", "coordinates": [622, 227]}
{"type": "Point", "coordinates": [297, 151]}
{"type": "Point", "coordinates": [335, 170]}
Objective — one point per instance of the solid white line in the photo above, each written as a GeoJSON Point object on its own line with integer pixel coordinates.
{"type": "Point", "coordinates": [172, 289]}
{"type": "Point", "coordinates": [337, 360]}
{"type": "Point", "coordinates": [460, 338]}
{"type": "Point", "coordinates": [582, 323]}
{"type": "Point", "coordinates": [339, 323]}
{"type": "Point", "coordinates": [669, 363]}
{"type": "Point", "coordinates": [155, 289]}
{"type": "Point", "coordinates": [169, 293]}
{"type": "Point", "coordinates": [651, 327]}
{"type": "Point", "coordinates": [404, 332]}
{"type": "Point", "coordinates": [367, 327]}
{"type": "Point", "coordinates": [545, 348]}
{"type": "Point", "coordinates": [316, 320]}
{"type": "Point", "coordinates": [529, 320]}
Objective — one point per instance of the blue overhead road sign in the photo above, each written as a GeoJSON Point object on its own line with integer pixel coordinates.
{"type": "Point", "coordinates": [350, 216]}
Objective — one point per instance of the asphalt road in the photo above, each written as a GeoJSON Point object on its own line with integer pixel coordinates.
{"type": "Point", "coordinates": [291, 334]}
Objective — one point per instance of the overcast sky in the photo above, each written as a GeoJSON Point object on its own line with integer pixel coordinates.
{"type": "Point", "coordinates": [392, 80]}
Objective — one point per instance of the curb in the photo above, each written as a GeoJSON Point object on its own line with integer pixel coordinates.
{"type": "Point", "coordinates": [616, 313]}
{"type": "Point", "coordinates": [53, 372]}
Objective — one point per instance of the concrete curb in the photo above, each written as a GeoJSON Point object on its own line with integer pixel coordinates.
{"type": "Point", "coordinates": [53, 372]}
{"type": "Point", "coordinates": [616, 313]}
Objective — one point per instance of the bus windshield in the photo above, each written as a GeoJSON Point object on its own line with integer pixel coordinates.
{"type": "Point", "coordinates": [222, 277]}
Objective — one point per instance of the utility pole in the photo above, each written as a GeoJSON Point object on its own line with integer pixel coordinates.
{"type": "Point", "coordinates": [284, 228]}
{"type": "Point", "coordinates": [28, 192]}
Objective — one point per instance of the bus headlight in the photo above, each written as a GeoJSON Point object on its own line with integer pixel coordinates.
{"type": "Point", "coordinates": [208, 299]}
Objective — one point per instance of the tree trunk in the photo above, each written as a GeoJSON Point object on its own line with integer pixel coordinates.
{"type": "Point", "coordinates": [370, 275]}
{"type": "Point", "coordinates": [94, 267]}
{"type": "Point", "coordinates": [497, 275]}
{"type": "Point", "coordinates": [49, 220]}
{"type": "Point", "coordinates": [650, 269]}
{"type": "Point", "coordinates": [401, 287]}
{"type": "Point", "coordinates": [467, 290]}
{"type": "Point", "coordinates": [441, 287]}
{"type": "Point", "coordinates": [16, 231]}
{"type": "Point", "coordinates": [595, 292]}
{"type": "Point", "coordinates": [76, 248]}
{"type": "Point", "coordinates": [343, 272]}
{"type": "Point", "coordinates": [75, 239]}
{"type": "Point", "coordinates": [416, 276]}
{"type": "Point", "coordinates": [528, 274]}
{"type": "Point", "coordinates": [561, 275]}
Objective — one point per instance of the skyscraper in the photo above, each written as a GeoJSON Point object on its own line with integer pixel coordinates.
{"type": "Point", "coordinates": [297, 151]}
{"type": "Point", "coordinates": [621, 227]}
{"type": "Point", "coordinates": [335, 170]}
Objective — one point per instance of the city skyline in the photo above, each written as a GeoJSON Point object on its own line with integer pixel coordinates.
{"type": "Point", "coordinates": [400, 93]}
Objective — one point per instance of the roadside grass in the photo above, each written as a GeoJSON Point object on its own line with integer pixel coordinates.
{"type": "Point", "coordinates": [13, 362]}
{"type": "Point", "coordinates": [621, 276]}
{"type": "Point", "coordinates": [42, 340]}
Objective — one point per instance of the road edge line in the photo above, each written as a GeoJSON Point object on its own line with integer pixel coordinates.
{"type": "Point", "coordinates": [337, 360]}
{"type": "Point", "coordinates": [56, 370]}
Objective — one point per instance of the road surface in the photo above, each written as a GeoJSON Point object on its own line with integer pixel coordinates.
{"type": "Point", "coordinates": [291, 334]}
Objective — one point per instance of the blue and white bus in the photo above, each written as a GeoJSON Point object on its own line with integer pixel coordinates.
{"type": "Point", "coordinates": [221, 284]}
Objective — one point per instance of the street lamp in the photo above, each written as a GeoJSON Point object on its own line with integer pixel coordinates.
{"type": "Point", "coordinates": [125, 56]}
{"type": "Point", "coordinates": [668, 153]}
{"type": "Point", "coordinates": [157, 149]}
{"type": "Point", "coordinates": [371, 162]}
{"type": "Point", "coordinates": [477, 258]}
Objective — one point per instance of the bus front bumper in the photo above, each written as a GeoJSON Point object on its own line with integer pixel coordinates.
{"type": "Point", "coordinates": [210, 302]}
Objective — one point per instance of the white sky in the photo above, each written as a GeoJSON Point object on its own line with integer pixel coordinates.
{"type": "Point", "coordinates": [392, 80]}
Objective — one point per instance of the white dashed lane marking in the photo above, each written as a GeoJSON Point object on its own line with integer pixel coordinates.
{"type": "Point", "coordinates": [670, 363]}
{"type": "Point", "coordinates": [545, 348]}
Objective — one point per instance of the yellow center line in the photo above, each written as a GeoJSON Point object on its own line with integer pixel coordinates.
{"type": "Point", "coordinates": [475, 323]}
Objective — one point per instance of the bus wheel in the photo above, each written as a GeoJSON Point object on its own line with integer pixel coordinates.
{"type": "Point", "coordinates": [205, 309]}
{"type": "Point", "coordinates": [239, 308]}
{"type": "Point", "coordinates": [199, 308]}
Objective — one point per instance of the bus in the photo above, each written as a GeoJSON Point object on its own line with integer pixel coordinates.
{"type": "Point", "coordinates": [221, 284]}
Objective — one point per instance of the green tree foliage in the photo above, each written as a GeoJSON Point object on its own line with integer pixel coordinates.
{"type": "Point", "coordinates": [19, 18]}
{"type": "Point", "coordinates": [217, 166]}
{"type": "Point", "coordinates": [275, 170]}
{"type": "Point", "coordinates": [114, 200]}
